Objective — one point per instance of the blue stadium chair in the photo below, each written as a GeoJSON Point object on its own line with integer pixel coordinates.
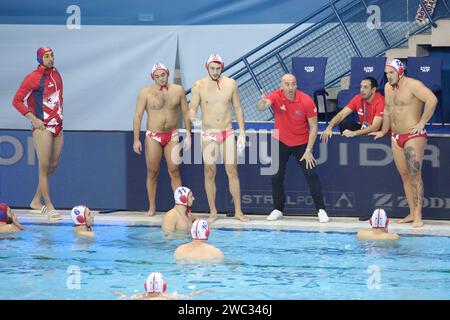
{"type": "Point", "coordinates": [310, 74]}
{"type": "Point", "coordinates": [428, 70]}
{"type": "Point", "coordinates": [360, 69]}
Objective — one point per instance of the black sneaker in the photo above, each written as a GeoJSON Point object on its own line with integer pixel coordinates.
{"type": "Point", "coordinates": [365, 218]}
{"type": "Point", "coordinates": [230, 214]}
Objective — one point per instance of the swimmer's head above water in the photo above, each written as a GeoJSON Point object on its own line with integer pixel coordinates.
{"type": "Point", "coordinates": [155, 283]}
{"type": "Point", "coordinates": [184, 196]}
{"type": "Point", "coordinates": [81, 215]}
{"type": "Point", "coordinates": [5, 213]}
{"type": "Point", "coordinates": [200, 230]}
{"type": "Point", "coordinates": [379, 219]}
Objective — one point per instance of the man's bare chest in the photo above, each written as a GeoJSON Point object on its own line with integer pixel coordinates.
{"type": "Point", "coordinates": [216, 96]}
{"type": "Point", "coordinates": [160, 101]}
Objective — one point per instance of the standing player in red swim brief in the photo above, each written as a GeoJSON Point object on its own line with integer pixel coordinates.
{"type": "Point", "coordinates": [161, 101]}
{"type": "Point", "coordinates": [403, 115]}
{"type": "Point", "coordinates": [43, 91]}
{"type": "Point", "coordinates": [217, 95]}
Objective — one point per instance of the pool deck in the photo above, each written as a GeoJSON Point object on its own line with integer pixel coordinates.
{"type": "Point", "coordinates": [305, 223]}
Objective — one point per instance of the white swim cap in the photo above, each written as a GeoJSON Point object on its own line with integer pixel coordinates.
{"type": "Point", "coordinates": [159, 66]}
{"type": "Point", "coordinates": [78, 215]}
{"type": "Point", "coordinates": [215, 58]}
{"type": "Point", "coordinates": [200, 230]}
{"type": "Point", "coordinates": [379, 219]}
{"type": "Point", "coordinates": [181, 195]}
{"type": "Point", "coordinates": [398, 66]}
{"type": "Point", "coordinates": [155, 283]}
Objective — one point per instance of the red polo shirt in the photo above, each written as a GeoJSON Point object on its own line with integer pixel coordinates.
{"type": "Point", "coordinates": [291, 116]}
{"type": "Point", "coordinates": [372, 109]}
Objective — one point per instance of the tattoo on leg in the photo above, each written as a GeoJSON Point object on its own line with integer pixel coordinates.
{"type": "Point", "coordinates": [417, 187]}
{"type": "Point", "coordinates": [419, 197]}
{"type": "Point", "coordinates": [412, 163]}
{"type": "Point", "coordinates": [414, 172]}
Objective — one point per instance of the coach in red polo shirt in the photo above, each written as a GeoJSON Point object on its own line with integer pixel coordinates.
{"type": "Point", "coordinates": [369, 104]}
{"type": "Point", "coordinates": [296, 129]}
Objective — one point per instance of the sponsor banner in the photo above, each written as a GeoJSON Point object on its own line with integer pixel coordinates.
{"type": "Point", "coordinates": [101, 170]}
{"type": "Point", "coordinates": [421, 17]}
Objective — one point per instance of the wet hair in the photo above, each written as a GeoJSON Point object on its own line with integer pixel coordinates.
{"type": "Point", "coordinates": [373, 82]}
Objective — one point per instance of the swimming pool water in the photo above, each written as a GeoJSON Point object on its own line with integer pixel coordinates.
{"type": "Point", "coordinates": [260, 264]}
